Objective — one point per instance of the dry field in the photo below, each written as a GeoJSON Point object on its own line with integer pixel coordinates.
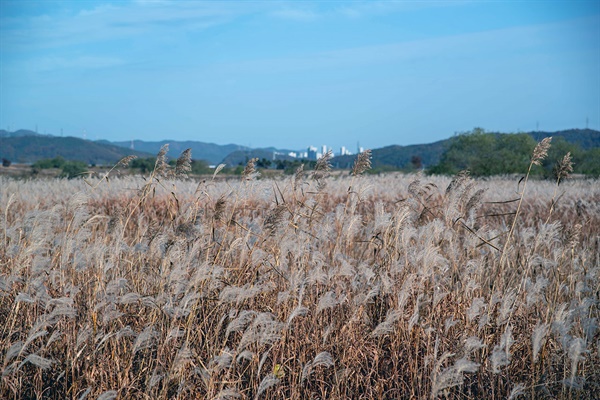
{"type": "Point", "coordinates": [308, 287]}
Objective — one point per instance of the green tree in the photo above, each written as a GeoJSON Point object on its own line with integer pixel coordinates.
{"type": "Point", "coordinates": [47, 163]}
{"type": "Point", "coordinates": [589, 163]}
{"type": "Point", "coordinates": [73, 169]}
{"type": "Point", "coordinates": [200, 167]}
{"type": "Point", "coordinates": [143, 164]}
{"type": "Point", "coordinates": [485, 154]}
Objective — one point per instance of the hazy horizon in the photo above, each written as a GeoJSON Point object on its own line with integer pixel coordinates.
{"type": "Point", "coordinates": [293, 74]}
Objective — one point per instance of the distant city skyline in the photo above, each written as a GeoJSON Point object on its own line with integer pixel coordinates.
{"type": "Point", "coordinates": [287, 74]}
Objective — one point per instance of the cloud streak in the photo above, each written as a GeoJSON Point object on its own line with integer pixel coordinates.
{"type": "Point", "coordinates": [109, 22]}
{"type": "Point", "coordinates": [295, 15]}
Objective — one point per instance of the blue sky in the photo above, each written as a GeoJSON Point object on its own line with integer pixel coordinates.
{"type": "Point", "coordinates": [293, 74]}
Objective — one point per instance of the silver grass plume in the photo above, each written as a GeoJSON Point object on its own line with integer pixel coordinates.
{"type": "Point", "coordinates": [328, 300]}
{"type": "Point", "coordinates": [237, 294]}
{"type": "Point", "coordinates": [250, 171]}
{"type": "Point", "coordinates": [576, 350]}
{"type": "Point", "coordinates": [217, 170]}
{"type": "Point", "coordinates": [228, 394]}
{"type": "Point", "coordinates": [33, 336]}
{"type": "Point", "coordinates": [501, 355]}
{"type": "Point", "coordinates": [324, 359]}
{"type": "Point", "coordinates": [322, 167]}
{"type": "Point", "coordinates": [387, 326]}
{"type": "Point", "coordinates": [452, 376]}
{"type": "Point", "coordinates": [477, 306]}
{"type": "Point", "coordinates": [474, 202]}
{"type": "Point", "coordinates": [564, 167]}
{"type": "Point", "coordinates": [144, 339]}
{"type": "Point", "coordinates": [38, 361]}
{"type": "Point", "coordinates": [458, 181]}
{"type": "Point", "coordinates": [263, 360]}
{"type": "Point", "coordinates": [53, 338]}
{"type": "Point", "coordinates": [268, 381]}
{"type": "Point", "coordinates": [13, 351]}
{"type": "Point", "coordinates": [124, 162]}
{"type": "Point", "coordinates": [473, 343]}
{"type": "Point", "coordinates": [541, 151]}
{"type": "Point", "coordinates": [299, 311]}
{"type": "Point", "coordinates": [517, 390]}
{"type": "Point", "coordinates": [244, 355]}
{"type": "Point", "coordinates": [183, 358]}
{"type": "Point", "coordinates": [157, 376]}
{"type": "Point", "coordinates": [362, 163]}
{"type": "Point", "coordinates": [85, 393]}
{"type": "Point", "coordinates": [219, 208]}
{"type": "Point", "coordinates": [222, 361]}
{"type": "Point", "coordinates": [298, 176]}
{"type": "Point", "coordinates": [264, 330]}
{"type": "Point", "coordinates": [184, 163]}
{"type": "Point", "coordinates": [274, 218]}
{"type": "Point", "coordinates": [108, 395]}
{"type": "Point", "coordinates": [240, 322]}
{"type": "Point", "coordinates": [161, 167]}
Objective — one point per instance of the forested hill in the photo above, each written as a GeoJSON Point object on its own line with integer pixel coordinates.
{"type": "Point", "coordinates": [400, 156]}
{"type": "Point", "coordinates": [427, 155]}
{"type": "Point", "coordinates": [19, 133]}
{"type": "Point", "coordinates": [30, 148]}
{"type": "Point", "coordinates": [210, 152]}
{"type": "Point", "coordinates": [585, 138]}
{"type": "Point", "coordinates": [487, 154]}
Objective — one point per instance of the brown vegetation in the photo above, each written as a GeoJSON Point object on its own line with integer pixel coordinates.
{"type": "Point", "coordinates": [393, 286]}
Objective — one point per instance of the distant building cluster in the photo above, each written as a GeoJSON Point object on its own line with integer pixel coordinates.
{"type": "Point", "coordinates": [315, 153]}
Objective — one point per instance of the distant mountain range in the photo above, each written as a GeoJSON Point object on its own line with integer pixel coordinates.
{"type": "Point", "coordinates": [399, 156]}
{"type": "Point", "coordinates": [27, 147]}
{"type": "Point", "coordinates": [210, 152]}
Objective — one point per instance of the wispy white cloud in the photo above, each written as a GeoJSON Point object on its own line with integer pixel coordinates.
{"type": "Point", "coordinates": [295, 15]}
{"type": "Point", "coordinates": [385, 7]}
{"type": "Point", "coordinates": [113, 21]}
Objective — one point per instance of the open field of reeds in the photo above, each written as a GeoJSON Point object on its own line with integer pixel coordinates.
{"type": "Point", "coordinates": [308, 287]}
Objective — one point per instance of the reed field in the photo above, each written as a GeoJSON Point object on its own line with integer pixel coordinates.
{"type": "Point", "coordinates": [310, 286]}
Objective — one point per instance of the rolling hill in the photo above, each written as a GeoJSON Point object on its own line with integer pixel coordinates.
{"type": "Point", "coordinates": [585, 138]}
{"type": "Point", "coordinates": [241, 157]}
{"type": "Point", "coordinates": [400, 156]}
{"type": "Point", "coordinates": [210, 152]}
{"type": "Point", "coordinates": [29, 149]}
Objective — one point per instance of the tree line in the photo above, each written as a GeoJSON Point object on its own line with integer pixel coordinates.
{"type": "Point", "coordinates": [487, 154]}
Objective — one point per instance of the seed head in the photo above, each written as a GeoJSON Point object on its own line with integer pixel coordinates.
{"type": "Point", "coordinates": [564, 167]}
{"type": "Point", "coordinates": [250, 170]}
{"type": "Point", "coordinates": [184, 163]}
{"type": "Point", "coordinates": [160, 166]}
{"type": "Point", "coordinates": [124, 162]}
{"type": "Point", "coordinates": [362, 163]}
{"type": "Point", "coordinates": [541, 151]}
